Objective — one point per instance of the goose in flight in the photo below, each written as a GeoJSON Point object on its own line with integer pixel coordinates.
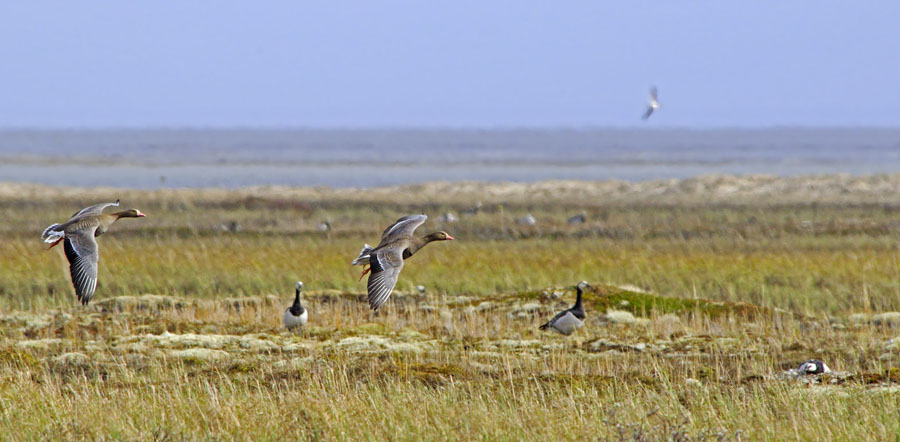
{"type": "Point", "coordinates": [79, 234]}
{"type": "Point", "coordinates": [386, 259]}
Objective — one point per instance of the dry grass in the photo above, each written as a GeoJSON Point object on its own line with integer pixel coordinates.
{"type": "Point", "coordinates": [465, 359]}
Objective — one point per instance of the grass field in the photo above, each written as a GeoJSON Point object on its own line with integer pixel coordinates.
{"type": "Point", "coordinates": [700, 303]}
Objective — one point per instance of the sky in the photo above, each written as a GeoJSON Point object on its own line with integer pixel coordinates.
{"type": "Point", "coordinates": [386, 63]}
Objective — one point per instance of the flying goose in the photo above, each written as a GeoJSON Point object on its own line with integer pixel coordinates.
{"type": "Point", "coordinates": [80, 245]}
{"type": "Point", "coordinates": [295, 315]}
{"type": "Point", "coordinates": [567, 321]}
{"type": "Point", "coordinates": [386, 259]}
{"type": "Point", "coordinates": [652, 105]}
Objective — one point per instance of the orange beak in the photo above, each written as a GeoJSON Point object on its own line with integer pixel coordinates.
{"type": "Point", "coordinates": [449, 237]}
{"type": "Point", "coordinates": [141, 214]}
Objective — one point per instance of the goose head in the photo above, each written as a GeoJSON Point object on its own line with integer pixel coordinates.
{"type": "Point", "coordinates": [132, 213]}
{"type": "Point", "coordinates": [439, 236]}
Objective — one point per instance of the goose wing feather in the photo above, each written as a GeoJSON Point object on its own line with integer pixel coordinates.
{"type": "Point", "coordinates": [82, 254]}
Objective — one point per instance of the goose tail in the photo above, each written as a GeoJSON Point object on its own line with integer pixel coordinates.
{"type": "Point", "coordinates": [51, 235]}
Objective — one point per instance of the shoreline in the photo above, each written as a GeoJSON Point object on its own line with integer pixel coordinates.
{"type": "Point", "coordinates": [704, 189]}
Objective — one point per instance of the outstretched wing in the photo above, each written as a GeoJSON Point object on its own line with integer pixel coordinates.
{"type": "Point", "coordinates": [647, 114]}
{"type": "Point", "coordinates": [81, 251]}
{"type": "Point", "coordinates": [403, 227]}
{"type": "Point", "coordinates": [653, 93]}
{"type": "Point", "coordinates": [386, 266]}
{"type": "Point", "coordinates": [96, 209]}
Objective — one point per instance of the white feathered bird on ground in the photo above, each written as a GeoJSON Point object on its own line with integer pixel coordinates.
{"type": "Point", "coordinates": [569, 320]}
{"type": "Point", "coordinates": [295, 316]}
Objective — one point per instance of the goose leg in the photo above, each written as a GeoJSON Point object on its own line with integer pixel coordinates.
{"type": "Point", "coordinates": [364, 273]}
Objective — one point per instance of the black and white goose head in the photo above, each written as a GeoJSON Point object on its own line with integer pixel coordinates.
{"type": "Point", "coordinates": [295, 315]}
{"type": "Point", "coordinates": [813, 366]}
{"type": "Point", "coordinates": [569, 320]}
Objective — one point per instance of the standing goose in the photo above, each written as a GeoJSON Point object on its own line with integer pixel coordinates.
{"type": "Point", "coordinates": [79, 234]}
{"type": "Point", "coordinates": [295, 315]}
{"type": "Point", "coordinates": [813, 366]}
{"type": "Point", "coordinates": [567, 321]}
{"type": "Point", "coordinates": [386, 260]}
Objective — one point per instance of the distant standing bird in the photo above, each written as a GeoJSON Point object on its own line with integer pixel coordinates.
{"type": "Point", "coordinates": [653, 104]}
{"type": "Point", "coordinates": [567, 321]}
{"type": "Point", "coordinates": [581, 218]}
{"type": "Point", "coordinates": [473, 210]}
{"type": "Point", "coordinates": [386, 260]}
{"type": "Point", "coordinates": [813, 366]}
{"type": "Point", "coordinates": [324, 226]}
{"type": "Point", "coordinates": [295, 315]}
{"type": "Point", "coordinates": [80, 245]}
{"type": "Point", "coordinates": [527, 220]}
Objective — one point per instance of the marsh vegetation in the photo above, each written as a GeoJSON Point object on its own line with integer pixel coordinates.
{"type": "Point", "coordinates": [701, 301]}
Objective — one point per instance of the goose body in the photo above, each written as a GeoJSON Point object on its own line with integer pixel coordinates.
{"type": "Point", "coordinates": [813, 366]}
{"type": "Point", "coordinates": [569, 320]}
{"type": "Point", "coordinates": [78, 235]}
{"type": "Point", "coordinates": [295, 315]}
{"type": "Point", "coordinates": [398, 243]}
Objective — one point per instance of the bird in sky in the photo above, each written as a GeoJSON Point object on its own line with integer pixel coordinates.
{"type": "Point", "coordinates": [652, 105]}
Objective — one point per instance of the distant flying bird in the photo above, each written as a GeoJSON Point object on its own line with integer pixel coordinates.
{"type": "Point", "coordinates": [295, 315]}
{"type": "Point", "coordinates": [386, 260]}
{"type": "Point", "coordinates": [653, 104]}
{"type": "Point", "coordinates": [567, 321]}
{"type": "Point", "coordinates": [80, 245]}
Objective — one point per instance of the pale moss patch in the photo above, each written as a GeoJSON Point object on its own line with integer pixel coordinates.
{"type": "Point", "coordinates": [142, 302]}
{"type": "Point", "coordinates": [519, 343]}
{"type": "Point", "coordinates": [858, 318]}
{"type": "Point", "coordinates": [363, 343]}
{"type": "Point", "coordinates": [252, 302]}
{"type": "Point", "coordinates": [620, 317]}
{"type": "Point", "coordinates": [40, 344]}
{"type": "Point", "coordinates": [199, 354]}
{"type": "Point", "coordinates": [888, 318]}
{"type": "Point", "coordinates": [131, 347]}
{"type": "Point", "coordinates": [71, 360]}
{"type": "Point", "coordinates": [293, 363]}
{"type": "Point", "coordinates": [408, 333]}
{"type": "Point", "coordinates": [371, 328]}
{"type": "Point", "coordinates": [169, 340]}
{"type": "Point", "coordinates": [369, 343]}
{"type": "Point", "coordinates": [251, 342]}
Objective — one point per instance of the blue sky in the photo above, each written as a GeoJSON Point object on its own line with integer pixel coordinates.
{"type": "Point", "coordinates": [461, 63]}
